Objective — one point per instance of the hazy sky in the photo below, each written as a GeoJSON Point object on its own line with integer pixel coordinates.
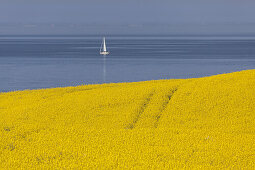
{"type": "Point", "coordinates": [126, 16]}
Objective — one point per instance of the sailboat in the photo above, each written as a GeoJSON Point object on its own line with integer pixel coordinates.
{"type": "Point", "coordinates": [103, 50]}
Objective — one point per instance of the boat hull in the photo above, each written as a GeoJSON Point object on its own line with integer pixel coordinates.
{"type": "Point", "coordinates": [104, 53]}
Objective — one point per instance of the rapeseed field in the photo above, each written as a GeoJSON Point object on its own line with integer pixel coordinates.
{"type": "Point", "coordinates": [206, 123]}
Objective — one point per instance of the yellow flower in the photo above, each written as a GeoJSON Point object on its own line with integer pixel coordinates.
{"type": "Point", "coordinates": [164, 124]}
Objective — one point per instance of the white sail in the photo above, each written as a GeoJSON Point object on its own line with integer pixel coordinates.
{"type": "Point", "coordinates": [104, 50]}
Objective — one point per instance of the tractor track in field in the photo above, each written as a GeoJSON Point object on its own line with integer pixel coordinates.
{"type": "Point", "coordinates": [164, 106]}
{"type": "Point", "coordinates": [156, 115]}
{"type": "Point", "coordinates": [140, 112]}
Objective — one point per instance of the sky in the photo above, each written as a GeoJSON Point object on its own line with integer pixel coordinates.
{"type": "Point", "coordinates": [127, 17]}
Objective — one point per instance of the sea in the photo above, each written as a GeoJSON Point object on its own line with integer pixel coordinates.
{"type": "Point", "coordinates": [36, 62]}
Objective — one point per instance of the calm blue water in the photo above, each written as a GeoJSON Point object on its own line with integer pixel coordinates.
{"type": "Point", "coordinates": [43, 62]}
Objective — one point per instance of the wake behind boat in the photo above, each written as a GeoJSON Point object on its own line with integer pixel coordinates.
{"type": "Point", "coordinates": [103, 50]}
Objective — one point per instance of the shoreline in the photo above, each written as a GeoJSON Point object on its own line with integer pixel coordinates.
{"type": "Point", "coordinates": [96, 84]}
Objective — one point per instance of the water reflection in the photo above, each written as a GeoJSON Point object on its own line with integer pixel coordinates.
{"type": "Point", "coordinates": [104, 69]}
